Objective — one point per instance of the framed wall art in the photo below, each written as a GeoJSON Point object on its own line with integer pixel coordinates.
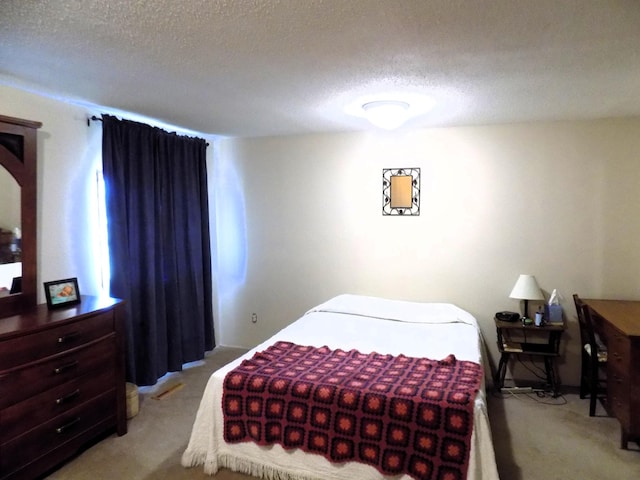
{"type": "Point", "coordinates": [401, 191]}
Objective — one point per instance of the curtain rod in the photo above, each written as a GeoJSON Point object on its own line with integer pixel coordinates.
{"type": "Point", "coordinates": [94, 118]}
{"type": "Point", "coordinates": [99, 119]}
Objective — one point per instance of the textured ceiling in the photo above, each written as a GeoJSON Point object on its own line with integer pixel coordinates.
{"type": "Point", "coordinates": [273, 67]}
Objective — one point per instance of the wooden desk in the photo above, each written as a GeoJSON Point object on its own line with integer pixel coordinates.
{"type": "Point", "coordinates": [618, 324]}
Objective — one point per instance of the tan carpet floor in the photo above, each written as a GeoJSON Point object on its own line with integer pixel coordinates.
{"type": "Point", "coordinates": [535, 438]}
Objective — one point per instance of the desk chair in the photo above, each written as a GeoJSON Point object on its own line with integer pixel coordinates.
{"type": "Point", "coordinates": [594, 357]}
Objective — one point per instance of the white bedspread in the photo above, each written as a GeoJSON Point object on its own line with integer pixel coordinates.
{"type": "Point", "coordinates": [368, 324]}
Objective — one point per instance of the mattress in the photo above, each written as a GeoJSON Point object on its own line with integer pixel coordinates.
{"type": "Point", "coordinates": [367, 324]}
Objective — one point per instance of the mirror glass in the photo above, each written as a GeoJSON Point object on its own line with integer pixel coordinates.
{"type": "Point", "coordinates": [10, 231]}
{"type": "Point", "coordinates": [401, 191]}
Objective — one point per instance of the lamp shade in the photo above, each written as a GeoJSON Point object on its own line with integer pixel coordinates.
{"type": "Point", "coordinates": [526, 288]}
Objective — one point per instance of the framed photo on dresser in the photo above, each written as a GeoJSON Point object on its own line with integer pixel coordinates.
{"type": "Point", "coordinates": [62, 293]}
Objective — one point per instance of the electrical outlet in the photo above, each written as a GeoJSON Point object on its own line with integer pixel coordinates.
{"type": "Point", "coordinates": [254, 318]}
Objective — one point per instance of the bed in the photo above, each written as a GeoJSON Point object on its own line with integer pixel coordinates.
{"type": "Point", "coordinates": [347, 322]}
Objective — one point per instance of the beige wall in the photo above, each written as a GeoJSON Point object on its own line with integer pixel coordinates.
{"type": "Point", "coordinates": [556, 200]}
{"type": "Point", "coordinates": [298, 219]}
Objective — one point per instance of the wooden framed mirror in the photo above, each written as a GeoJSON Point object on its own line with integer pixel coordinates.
{"type": "Point", "coordinates": [18, 220]}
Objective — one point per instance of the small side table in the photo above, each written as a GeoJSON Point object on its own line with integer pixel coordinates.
{"type": "Point", "coordinates": [515, 338]}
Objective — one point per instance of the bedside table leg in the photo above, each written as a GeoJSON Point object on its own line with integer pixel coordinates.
{"type": "Point", "coordinates": [549, 367]}
{"type": "Point", "coordinates": [502, 371]}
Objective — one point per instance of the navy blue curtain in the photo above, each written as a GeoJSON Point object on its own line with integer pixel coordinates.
{"type": "Point", "coordinates": [159, 246]}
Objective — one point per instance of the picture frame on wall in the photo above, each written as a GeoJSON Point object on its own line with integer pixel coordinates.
{"type": "Point", "coordinates": [62, 293]}
{"type": "Point", "coordinates": [401, 191]}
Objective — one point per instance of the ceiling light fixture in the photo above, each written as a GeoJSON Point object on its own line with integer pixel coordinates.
{"type": "Point", "coordinates": [387, 114]}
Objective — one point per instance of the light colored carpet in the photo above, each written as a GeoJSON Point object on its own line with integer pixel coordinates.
{"type": "Point", "coordinates": [555, 439]}
{"type": "Point", "coordinates": [535, 438]}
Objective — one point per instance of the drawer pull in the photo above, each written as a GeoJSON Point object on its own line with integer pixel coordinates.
{"type": "Point", "coordinates": [67, 398]}
{"type": "Point", "coordinates": [64, 368]}
{"type": "Point", "coordinates": [68, 337]}
{"type": "Point", "coordinates": [68, 426]}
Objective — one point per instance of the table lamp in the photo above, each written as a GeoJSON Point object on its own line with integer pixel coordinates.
{"type": "Point", "coordinates": [526, 288]}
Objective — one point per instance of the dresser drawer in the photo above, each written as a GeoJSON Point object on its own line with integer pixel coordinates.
{"type": "Point", "coordinates": [618, 393]}
{"type": "Point", "coordinates": [41, 408]}
{"type": "Point", "coordinates": [22, 383]}
{"type": "Point", "coordinates": [52, 341]}
{"type": "Point", "coordinates": [619, 348]}
{"type": "Point", "coordinates": [54, 433]}
{"type": "Point", "coordinates": [62, 383]}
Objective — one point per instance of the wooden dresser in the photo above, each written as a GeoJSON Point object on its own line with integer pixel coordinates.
{"type": "Point", "coordinates": [618, 323]}
{"type": "Point", "coordinates": [62, 383]}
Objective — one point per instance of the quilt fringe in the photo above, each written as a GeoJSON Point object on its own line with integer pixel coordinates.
{"type": "Point", "coordinates": [193, 459]}
{"type": "Point", "coordinates": [258, 470]}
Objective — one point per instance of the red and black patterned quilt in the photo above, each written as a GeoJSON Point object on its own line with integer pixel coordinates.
{"type": "Point", "coordinates": [399, 414]}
